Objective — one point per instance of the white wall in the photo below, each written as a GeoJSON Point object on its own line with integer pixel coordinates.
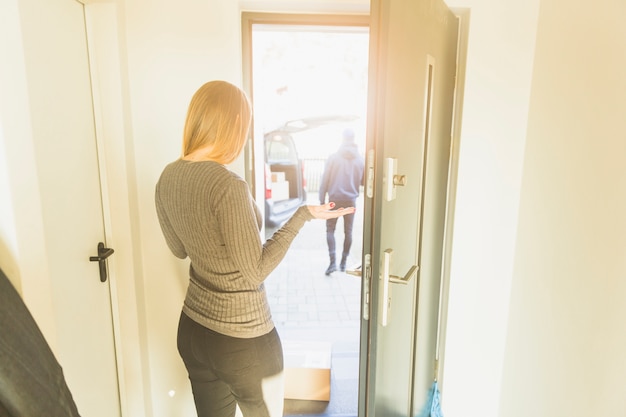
{"type": "Point", "coordinates": [495, 108]}
{"type": "Point", "coordinates": [172, 48]}
{"type": "Point", "coordinates": [22, 248]}
{"type": "Point", "coordinates": [534, 321]}
{"type": "Point", "coordinates": [565, 351]}
{"type": "Point", "coordinates": [306, 6]}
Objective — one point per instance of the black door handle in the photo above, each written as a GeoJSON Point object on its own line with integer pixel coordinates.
{"type": "Point", "coordinates": [103, 254]}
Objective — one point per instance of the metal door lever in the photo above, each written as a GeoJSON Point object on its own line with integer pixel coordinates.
{"type": "Point", "coordinates": [356, 271]}
{"type": "Point", "coordinates": [405, 279]}
{"type": "Point", "coordinates": [386, 278]}
{"type": "Point", "coordinates": [103, 254]}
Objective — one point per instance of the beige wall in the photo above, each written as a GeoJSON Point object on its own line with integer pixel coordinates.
{"type": "Point", "coordinates": [498, 77]}
{"type": "Point", "coordinates": [22, 246]}
{"type": "Point", "coordinates": [172, 48]}
{"type": "Point", "coordinates": [534, 321]}
{"type": "Point", "coordinates": [566, 338]}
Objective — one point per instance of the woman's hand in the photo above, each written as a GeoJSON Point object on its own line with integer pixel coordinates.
{"type": "Point", "coordinates": [328, 211]}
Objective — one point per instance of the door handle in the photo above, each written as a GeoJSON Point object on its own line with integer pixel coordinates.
{"type": "Point", "coordinates": [356, 271]}
{"type": "Point", "coordinates": [103, 254]}
{"type": "Point", "coordinates": [406, 278]}
{"type": "Point", "coordinates": [386, 278]}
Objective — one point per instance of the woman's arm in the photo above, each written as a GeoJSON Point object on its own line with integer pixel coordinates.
{"type": "Point", "coordinates": [240, 231]}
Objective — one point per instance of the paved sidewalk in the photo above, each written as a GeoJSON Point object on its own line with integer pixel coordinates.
{"type": "Point", "coordinates": [310, 306]}
{"type": "Point", "coordinates": [306, 303]}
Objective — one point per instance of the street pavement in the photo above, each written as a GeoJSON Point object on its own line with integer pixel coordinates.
{"type": "Point", "coordinates": [308, 306]}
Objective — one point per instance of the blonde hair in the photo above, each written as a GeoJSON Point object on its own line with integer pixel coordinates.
{"type": "Point", "coordinates": [218, 119]}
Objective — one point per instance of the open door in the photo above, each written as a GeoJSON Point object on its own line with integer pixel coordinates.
{"type": "Point", "coordinates": [411, 100]}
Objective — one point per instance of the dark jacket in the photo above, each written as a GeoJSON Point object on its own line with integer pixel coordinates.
{"type": "Point", "coordinates": [343, 174]}
{"type": "Point", "coordinates": [32, 383]}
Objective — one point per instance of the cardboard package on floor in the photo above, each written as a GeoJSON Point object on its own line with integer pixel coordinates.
{"type": "Point", "coordinates": [307, 370]}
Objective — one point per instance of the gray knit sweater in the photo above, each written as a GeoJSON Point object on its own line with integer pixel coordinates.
{"type": "Point", "coordinates": [207, 213]}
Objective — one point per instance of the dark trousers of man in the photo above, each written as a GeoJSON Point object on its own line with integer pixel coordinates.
{"type": "Point", "coordinates": [331, 225]}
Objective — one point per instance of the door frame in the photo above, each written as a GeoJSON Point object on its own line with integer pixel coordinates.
{"type": "Point", "coordinates": [463, 15]}
{"type": "Point", "coordinates": [371, 234]}
{"type": "Point", "coordinates": [111, 106]}
{"type": "Point", "coordinates": [253, 151]}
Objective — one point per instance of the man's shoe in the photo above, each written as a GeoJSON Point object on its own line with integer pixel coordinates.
{"type": "Point", "coordinates": [331, 268]}
{"type": "Point", "coordinates": [342, 264]}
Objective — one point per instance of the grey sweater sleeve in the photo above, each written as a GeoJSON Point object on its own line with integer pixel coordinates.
{"type": "Point", "coordinates": [254, 259]}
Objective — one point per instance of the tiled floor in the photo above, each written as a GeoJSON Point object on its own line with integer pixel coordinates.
{"type": "Point", "coordinates": [310, 306]}
{"type": "Point", "coordinates": [301, 296]}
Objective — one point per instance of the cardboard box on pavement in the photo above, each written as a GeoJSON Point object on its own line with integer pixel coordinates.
{"type": "Point", "coordinates": [307, 370]}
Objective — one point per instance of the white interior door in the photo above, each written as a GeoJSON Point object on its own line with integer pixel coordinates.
{"type": "Point", "coordinates": [61, 107]}
{"type": "Point", "coordinates": [413, 66]}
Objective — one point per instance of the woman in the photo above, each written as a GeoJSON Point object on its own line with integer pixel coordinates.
{"type": "Point", "coordinates": [226, 336]}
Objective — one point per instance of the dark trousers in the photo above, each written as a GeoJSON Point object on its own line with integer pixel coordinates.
{"type": "Point", "coordinates": [331, 225]}
{"type": "Point", "coordinates": [31, 380]}
{"type": "Point", "coordinates": [225, 371]}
